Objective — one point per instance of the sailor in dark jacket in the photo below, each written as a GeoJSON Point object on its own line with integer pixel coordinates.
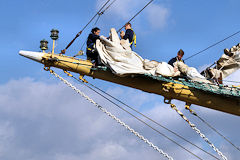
{"type": "Point", "coordinates": [178, 58]}
{"type": "Point", "coordinates": [129, 34]}
{"type": "Point", "coordinates": [92, 52]}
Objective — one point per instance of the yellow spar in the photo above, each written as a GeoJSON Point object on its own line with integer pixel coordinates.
{"type": "Point", "coordinates": [168, 90]}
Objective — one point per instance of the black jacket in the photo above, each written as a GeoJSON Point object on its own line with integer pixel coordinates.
{"type": "Point", "coordinates": [92, 40]}
{"type": "Point", "coordinates": [129, 35]}
{"type": "Point", "coordinates": [173, 60]}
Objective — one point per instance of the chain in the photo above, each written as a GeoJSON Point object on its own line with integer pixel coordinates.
{"type": "Point", "coordinates": [112, 116]}
{"type": "Point", "coordinates": [198, 132]}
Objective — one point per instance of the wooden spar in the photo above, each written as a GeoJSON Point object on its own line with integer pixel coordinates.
{"type": "Point", "coordinates": [168, 90]}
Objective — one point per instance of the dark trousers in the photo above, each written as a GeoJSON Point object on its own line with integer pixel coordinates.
{"type": "Point", "coordinates": [94, 56]}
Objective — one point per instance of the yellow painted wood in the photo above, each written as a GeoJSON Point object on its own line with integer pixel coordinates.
{"type": "Point", "coordinates": [167, 89]}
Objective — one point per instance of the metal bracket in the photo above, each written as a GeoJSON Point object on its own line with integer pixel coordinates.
{"type": "Point", "coordinates": [82, 79]}
{"type": "Point", "coordinates": [68, 73]}
{"type": "Point", "coordinates": [46, 68]}
{"type": "Point", "coordinates": [187, 106]}
{"type": "Point", "coordinates": [167, 101]}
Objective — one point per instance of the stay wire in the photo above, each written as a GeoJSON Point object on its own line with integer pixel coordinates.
{"type": "Point", "coordinates": [139, 119]}
{"type": "Point", "coordinates": [157, 123]}
{"type": "Point", "coordinates": [212, 45]}
{"type": "Point", "coordinates": [135, 117]}
{"type": "Point", "coordinates": [108, 7]}
{"type": "Point", "coordinates": [140, 113]}
{"type": "Point", "coordinates": [215, 130]}
{"type": "Point", "coordinates": [101, 13]}
{"type": "Point", "coordinates": [136, 14]}
{"type": "Point", "coordinates": [79, 33]}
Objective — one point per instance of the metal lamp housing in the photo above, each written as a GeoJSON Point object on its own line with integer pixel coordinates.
{"type": "Point", "coordinates": [54, 34]}
{"type": "Point", "coordinates": [44, 44]}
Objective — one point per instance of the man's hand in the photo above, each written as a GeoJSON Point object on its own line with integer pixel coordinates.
{"type": "Point", "coordinates": [122, 34]}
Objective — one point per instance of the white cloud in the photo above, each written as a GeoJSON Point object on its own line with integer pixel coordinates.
{"type": "Point", "coordinates": [157, 15]}
{"type": "Point", "coordinates": [39, 120]}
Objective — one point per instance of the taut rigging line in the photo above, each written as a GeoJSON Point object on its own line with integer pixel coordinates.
{"type": "Point", "coordinates": [212, 45]}
{"type": "Point", "coordinates": [101, 13]}
{"type": "Point", "coordinates": [136, 14]}
{"type": "Point", "coordinates": [141, 119]}
{"type": "Point", "coordinates": [79, 33]}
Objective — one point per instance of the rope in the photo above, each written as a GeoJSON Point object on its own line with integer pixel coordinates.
{"type": "Point", "coordinates": [145, 122]}
{"type": "Point", "coordinates": [99, 14]}
{"type": "Point", "coordinates": [212, 45]}
{"type": "Point", "coordinates": [112, 116]}
{"type": "Point", "coordinates": [140, 119]}
{"type": "Point", "coordinates": [210, 126]}
{"type": "Point", "coordinates": [157, 123]}
{"type": "Point", "coordinates": [136, 14]}
{"type": "Point", "coordinates": [198, 132]}
{"type": "Point", "coordinates": [79, 33]}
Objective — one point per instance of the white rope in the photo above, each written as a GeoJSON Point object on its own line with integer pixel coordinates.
{"type": "Point", "coordinates": [199, 132]}
{"type": "Point", "coordinates": [112, 116]}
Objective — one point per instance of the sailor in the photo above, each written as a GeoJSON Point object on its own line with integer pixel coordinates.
{"type": "Point", "coordinates": [178, 58]}
{"type": "Point", "coordinates": [92, 53]}
{"type": "Point", "coordinates": [129, 34]}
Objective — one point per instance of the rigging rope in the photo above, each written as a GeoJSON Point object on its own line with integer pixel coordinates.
{"type": "Point", "coordinates": [210, 126]}
{"type": "Point", "coordinates": [137, 117]}
{"type": "Point", "coordinates": [212, 45]}
{"type": "Point", "coordinates": [143, 122]}
{"type": "Point", "coordinates": [136, 14]}
{"type": "Point", "coordinates": [198, 131]}
{"type": "Point", "coordinates": [83, 82]}
{"type": "Point", "coordinates": [101, 13]}
{"type": "Point", "coordinates": [157, 123]}
{"type": "Point", "coordinates": [79, 33]}
{"type": "Point", "coordinates": [112, 116]}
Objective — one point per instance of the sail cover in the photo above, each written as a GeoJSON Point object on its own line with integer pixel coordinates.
{"type": "Point", "coordinates": [118, 56]}
{"type": "Point", "coordinates": [229, 63]}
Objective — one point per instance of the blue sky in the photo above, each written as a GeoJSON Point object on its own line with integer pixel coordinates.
{"type": "Point", "coordinates": [162, 29]}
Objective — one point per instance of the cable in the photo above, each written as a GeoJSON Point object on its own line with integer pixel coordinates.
{"type": "Point", "coordinates": [143, 116]}
{"type": "Point", "coordinates": [136, 14]}
{"type": "Point", "coordinates": [210, 126]}
{"type": "Point", "coordinates": [193, 126]}
{"type": "Point", "coordinates": [140, 120]}
{"type": "Point", "coordinates": [141, 137]}
{"type": "Point", "coordinates": [149, 119]}
{"type": "Point", "coordinates": [212, 45]}
{"type": "Point", "coordinates": [99, 14]}
{"type": "Point", "coordinates": [135, 116]}
{"type": "Point", "coordinates": [79, 33]}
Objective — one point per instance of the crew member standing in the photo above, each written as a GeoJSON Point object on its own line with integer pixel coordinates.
{"type": "Point", "coordinates": [92, 52]}
{"type": "Point", "coordinates": [129, 34]}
